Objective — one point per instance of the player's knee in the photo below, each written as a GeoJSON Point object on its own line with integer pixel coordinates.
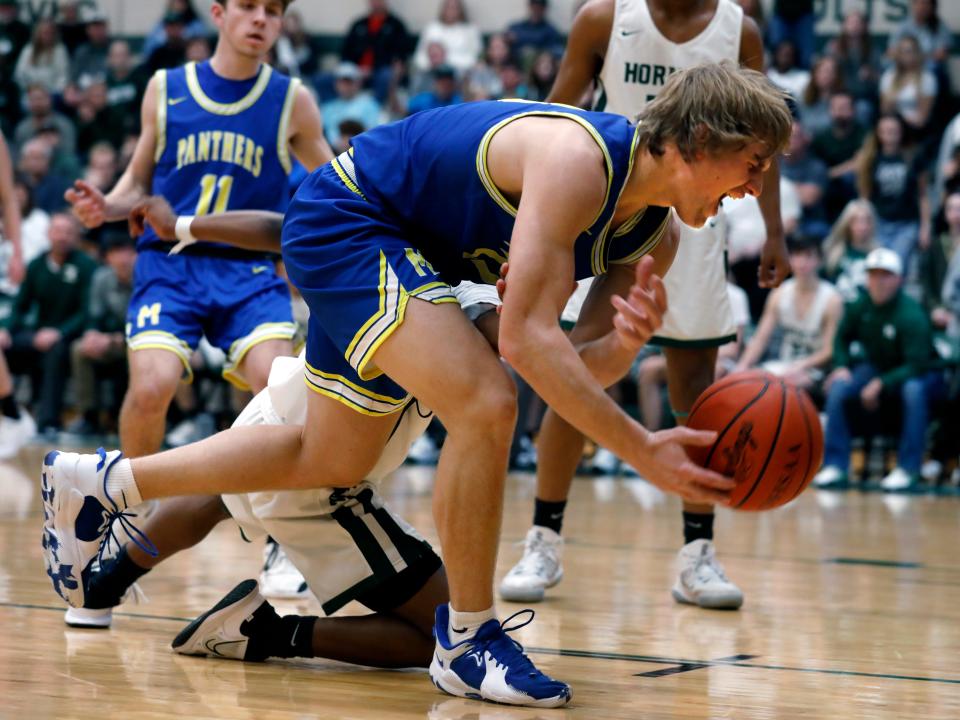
{"type": "Point", "coordinates": [150, 396]}
{"type": "Point", "coordinates": [490, 406]}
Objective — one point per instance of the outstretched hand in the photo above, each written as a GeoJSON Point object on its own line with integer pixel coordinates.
{"type": "Point", "coordinates": [640, 313]}
{"type": "Point", "coordinates": [89, 204]}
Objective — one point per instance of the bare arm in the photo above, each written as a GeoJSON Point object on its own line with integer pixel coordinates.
{"type": "Point", "coordinates": [774, 266]}
{"type": "Point", "coordinates": [11, 214]}
{"type": "Point", "coordinates": [93, 207]}
{"type": "Point", "coordinates": [583, 56]}
{"type": "Point", "coordinates": [831, 319]}
{"type": "Point", "coordinates": [761, 338]}
{"type": "Point", "coordinates": [550, 217]}
{"type": "Point", "coordinates": [257, 230]}
{"type": "Point", "coordinates": [306, 132]}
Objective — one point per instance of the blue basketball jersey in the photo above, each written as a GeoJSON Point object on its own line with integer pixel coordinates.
{"type": "Point", "coordinates": [221, 144]}
{"type": "Point", "coordinates": [429, 172]}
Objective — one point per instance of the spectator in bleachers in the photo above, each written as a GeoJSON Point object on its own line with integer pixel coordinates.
{"type": "Point", "coordinates": [40, 114]}
{"type": "Point", "coordinates": [197, 49]}
{"type": "Point", "coordinates": [846, 248]}
{"type": "Point", "coordinates": [925, 25]}
{"type": "Point", "coordinates": [89, 63]}
{"type": "Point", "coordinates": [459, 37]}
{"type": "Point", "coordinates": [374, 43]}
{"type": "Point", "coordinates": [907, 88]}
{"type": "Point", "coordinates": [70, 25]}
{"type": "Point", "coordinates": [793, 20]}
{"type": "Point", "coordinates": [542, 75]}
{"type": "Point", "coordinates": [892, 333]}
{"type": "Point", "coordinates": [48, 315]}
{"type": "Point", "coordinates": [34, 223]}
{"type": "Point", "coordinates": [809, 174]}
{"type": "Point", "coordinates": [785, 73]}
{"type": "Point", "coordinates": [34, 166]}
{"type": "Point", "coordinates": [346, 131]}
{"type": "Point", "coordinates": [444, 92]}
{"type": "Point", "coordinates": [193, 25]}
{"type": "Point", "coordinates": [14, 33]}
{"type": "Point", "coordinates": [895, 182]}
{"type": "Point", "coordinates": [172, 52]}
{"type": "Point", "coordinates": [512, 83]}
{"type": "Point", "coordinates": [534, 33]}
{"type": "Point", "coordinates": [837, 146]}
{"type": "Point", "coordinates": [101, 170]}
{"type": "Point", "coordinates": [44, 60]}
{"type": "Point", "coordinates": [100, 353]}
{"type": "Point", "coordinates": [125, 85]}
{"type": "Point", "coordinates": [297, 53]}
{"type": "Point", "coordinates": [96, 121]}
{"type": "Point", "coordinates": [935, 261]}
{"type": "Point", "coordinates": [814, 106]}
{"type": "Point", "coordinates": [351, 103]}
{"type": "Point", "coordinates": [483, 80]}
{"type": "Point", "coordinates": [859, 62]}
{"type": "Point", "coordinates": [804, 311]}
{"type": "Point", "coordinates": [421, 80]}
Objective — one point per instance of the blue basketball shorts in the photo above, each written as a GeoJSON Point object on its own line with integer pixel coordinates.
{"type": "Point", "coordinates": [357, 270]}
{"type": "Point", "coordinates": [236, 303]}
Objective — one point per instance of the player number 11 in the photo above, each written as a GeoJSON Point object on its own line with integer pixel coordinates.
{"type": "Point", "coordinates": [210, 184]}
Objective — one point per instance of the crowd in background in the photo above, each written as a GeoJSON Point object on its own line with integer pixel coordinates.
{"type": "Point", "coordinates": [873, 162]}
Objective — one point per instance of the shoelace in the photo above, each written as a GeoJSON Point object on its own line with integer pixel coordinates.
{"type": "Point", "coordinates": [508, 652]}
{"type": "Point", "coordinates": [709, 561]}
{"type": "Point", "coordinates": [122, 517]}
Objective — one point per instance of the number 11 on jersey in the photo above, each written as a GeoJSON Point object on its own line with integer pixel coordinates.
{"type": "Point", "coordinates": [210, 185]}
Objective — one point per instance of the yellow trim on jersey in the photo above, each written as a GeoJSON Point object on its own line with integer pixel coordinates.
{"type": "Point", "coordinates": [366, 392]}
{"type": "Point", "coordinates": [629, 224]}
{"type": "Point", "coordinates": [494, 191]}
{"type": "Point", "coordinates": [345, 179]}
{"type": "Point", "coordinates": [389, 316]}
{"type": "Point", "coordinates": [598, 262]}
{"type": "Point", "coordinates": [212, 106]}
{"type": "Point", "coordinates": [241, 346]}
{"type": "Point", "coordinates": [161, 144]}
{"type": "Point", "coordinates": [435, 293]}
{"type": "Point", "coordinates": [283, 142]}
{"type": "Point", "coordinates": [483, 270]}
{"type": "Point", "coordinates": [162, 340]}
{"type": "Point", "coordinates": [648, 247]}
{"type": "Point", "coordinates": [357, 406]}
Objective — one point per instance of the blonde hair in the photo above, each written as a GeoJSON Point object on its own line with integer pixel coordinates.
{"type": "Point", "coordinates": [837, 242]}
{"type": "Point", "coordinates": [713, 108]}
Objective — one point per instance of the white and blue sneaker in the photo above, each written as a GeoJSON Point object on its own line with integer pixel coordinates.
{"type": "Point", "coordinates": [491, 666]}
{"type": "Point", "coordinates": [77, 517]}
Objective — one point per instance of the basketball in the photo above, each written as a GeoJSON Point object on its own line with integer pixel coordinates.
{"type": "Point", "coordinates": [769, 437]}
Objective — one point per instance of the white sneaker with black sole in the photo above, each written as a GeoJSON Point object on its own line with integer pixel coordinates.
{"type": "Point", "coordinates": [279, 578]}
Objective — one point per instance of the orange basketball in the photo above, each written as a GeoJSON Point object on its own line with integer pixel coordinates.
{"type": "Point", "coordinates": [769, 437]}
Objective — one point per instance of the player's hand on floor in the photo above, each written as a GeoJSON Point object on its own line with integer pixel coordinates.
{"type": "Point", "coordinates": [640, 313]}
{"type": "Point", "coordinates": [89, 204]}
{"type": "Point", "coordinates": [666, 464]}
{"type": "Point", "coordinates": [157, 213]}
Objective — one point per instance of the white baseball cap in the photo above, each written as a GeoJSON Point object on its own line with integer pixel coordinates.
{"type": "Point", "coordinates": [884, 259]}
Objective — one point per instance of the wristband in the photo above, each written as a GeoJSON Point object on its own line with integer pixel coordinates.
{"type": "Point", "coordinates": [182, 231]}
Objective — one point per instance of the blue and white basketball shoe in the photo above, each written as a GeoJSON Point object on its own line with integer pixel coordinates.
{"type": "Point", "coordinates": [77, 516]}
{"type": "Point", "coordinates": [491, 666]}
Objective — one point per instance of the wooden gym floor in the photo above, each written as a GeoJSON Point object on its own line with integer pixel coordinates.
{"type": "Point", "coordinates": [852, 611]}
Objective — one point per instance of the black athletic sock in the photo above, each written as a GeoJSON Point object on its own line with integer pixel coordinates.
{"type": "Point", "coordinates": [278, 637]}
{"type": "Point", "coordinates": [107, 586]}
{"type": "Point", "coordinates": [8, 407]}
{"type": "Point", "coordinates": [697, 526]}
{"type": "Point", "coordinates": [549, 514]}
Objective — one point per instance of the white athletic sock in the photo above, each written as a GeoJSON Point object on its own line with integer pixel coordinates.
{"type": "Point", "coordinates": [464, 625]}
{"type": "Point", "coordinates": [122, 487]}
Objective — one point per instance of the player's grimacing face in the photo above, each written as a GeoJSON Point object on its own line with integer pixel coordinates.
{"type": "Point", "coordinates": [252, 26]}
{"type": "Point", "coordinates": [734, 173]}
